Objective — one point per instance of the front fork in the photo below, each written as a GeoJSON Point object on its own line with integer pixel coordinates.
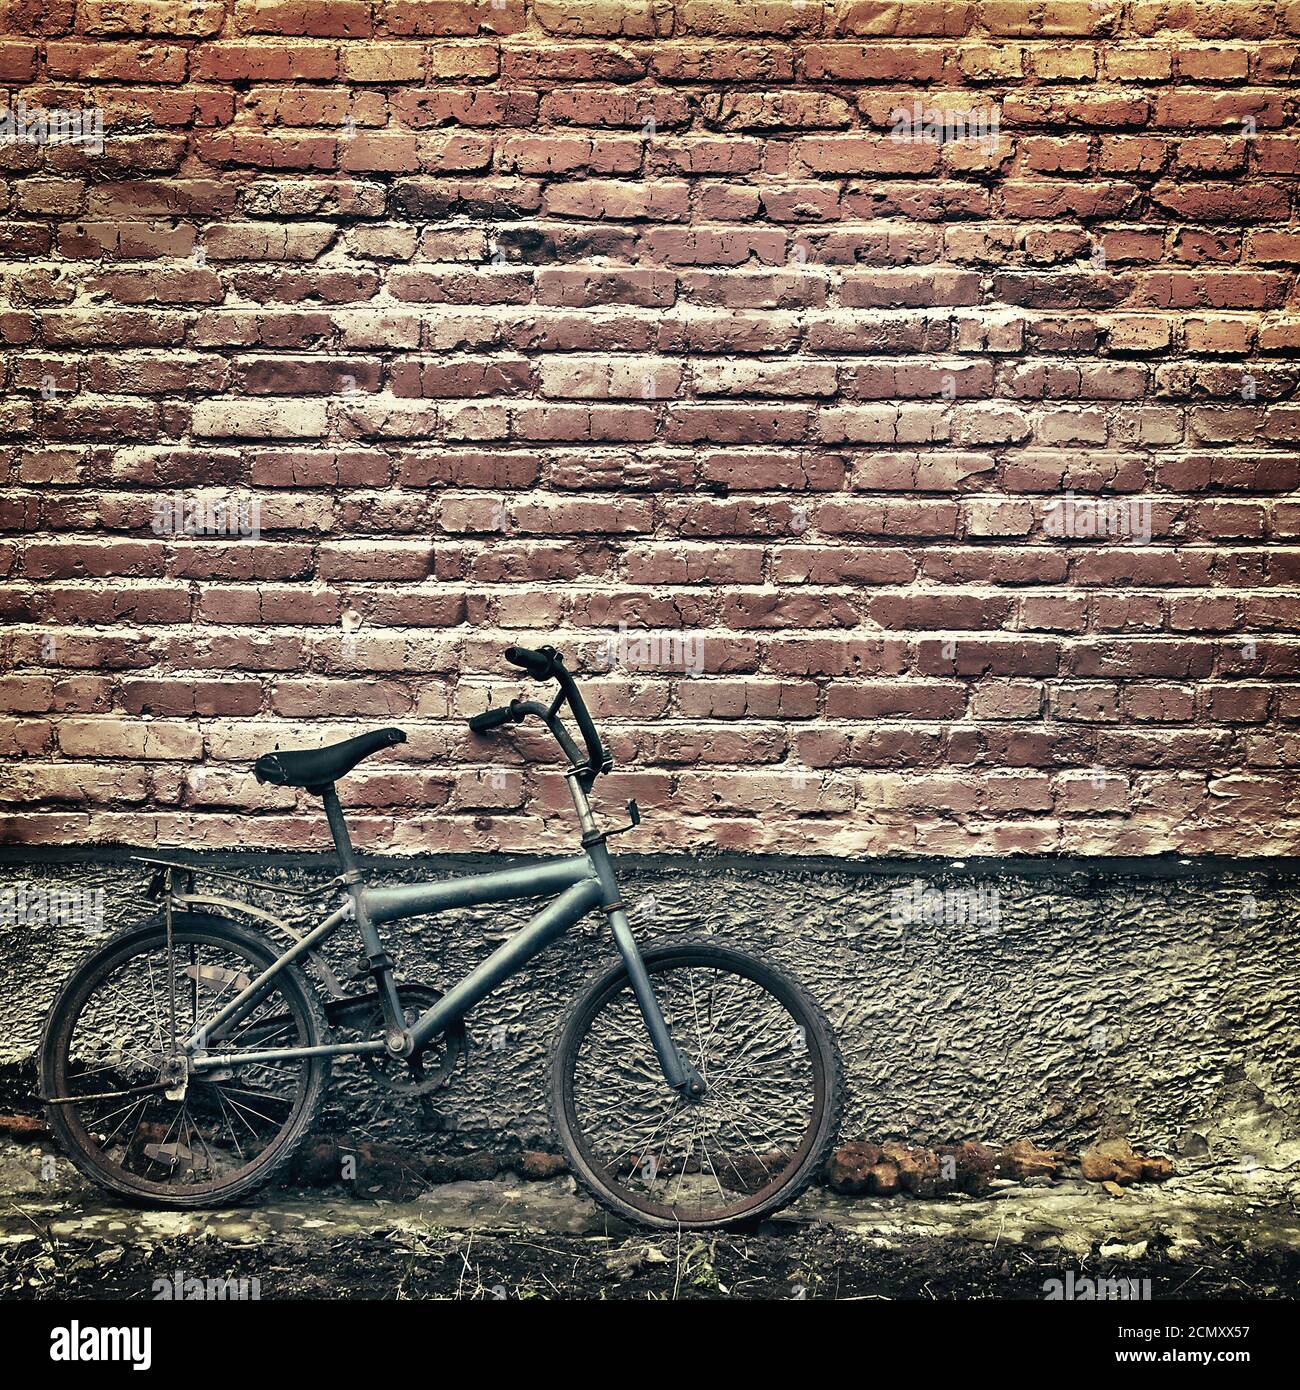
{"type": "Point", "coordinates": [680, 1075]}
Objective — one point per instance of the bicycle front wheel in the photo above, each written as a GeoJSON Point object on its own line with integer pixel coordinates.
{"type": "Point", "coordinates": [765, 1125]}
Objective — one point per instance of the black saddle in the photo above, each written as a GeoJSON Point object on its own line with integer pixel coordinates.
{"type": "Point", "coordinates": [315, 768]}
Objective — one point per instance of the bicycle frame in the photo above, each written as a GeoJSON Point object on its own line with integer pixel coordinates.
{"type": "Point", "coordinates": [581, 882]}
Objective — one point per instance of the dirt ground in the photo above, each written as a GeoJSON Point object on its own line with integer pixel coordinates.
{"type": "Point", "coordinates": [797, 1262]}
{"type": "Point", "coordinates": [807, 1263]}
{"type": "Point", "coordinates": [1207, 1236]}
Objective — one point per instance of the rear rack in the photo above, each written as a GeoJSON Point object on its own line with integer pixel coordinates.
{"type": "Point", "coordinates": [163, 868]}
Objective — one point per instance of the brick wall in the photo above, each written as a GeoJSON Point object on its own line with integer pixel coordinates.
{"type": "Point", "coordinates": [525, 321]}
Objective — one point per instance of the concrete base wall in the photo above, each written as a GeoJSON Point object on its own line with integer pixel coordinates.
{"type": "Point", "coordinates": [1054, 1000]}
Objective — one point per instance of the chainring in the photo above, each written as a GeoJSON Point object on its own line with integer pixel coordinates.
{"type": "Point", "coordinates": [415, 1076]}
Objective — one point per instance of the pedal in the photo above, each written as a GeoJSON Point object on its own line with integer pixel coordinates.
{"type": "Point", "coordinates": [217, 978]}
{"type": "Point", "coordinates": [170, 1155]}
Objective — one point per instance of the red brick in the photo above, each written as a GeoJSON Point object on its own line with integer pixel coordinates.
{"type": "Point", "coordinates": [340, 19]}
{"type": "Point", "coordinates": [450, 18]}
{"type": "Point", "coordinates": [115, 62]}
{"type": "Point", "coordinates": [685, 340]}
{"type": "Point", "coordinates": [262, 61]}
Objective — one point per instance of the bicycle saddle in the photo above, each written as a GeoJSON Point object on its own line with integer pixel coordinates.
{"type": "Point", "coordinates": [315, 768]}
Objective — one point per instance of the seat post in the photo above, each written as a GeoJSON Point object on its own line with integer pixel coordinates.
{"type": "Point", "coordinates": [381, 963]}
{"type": "Point", "coordinates": [339, 829]}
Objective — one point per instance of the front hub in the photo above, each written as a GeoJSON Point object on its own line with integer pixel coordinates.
{"type": "Point", "coordinates": [694, 1087]}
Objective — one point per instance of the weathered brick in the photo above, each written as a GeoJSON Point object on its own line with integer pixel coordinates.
{"type": "Point", "coordinates": [577, 320]}
{"type": "Point", "coordinates": [115, 62]}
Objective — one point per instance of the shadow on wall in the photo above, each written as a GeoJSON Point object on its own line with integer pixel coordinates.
{"type": "Point", "coordinates": [989, 1002]}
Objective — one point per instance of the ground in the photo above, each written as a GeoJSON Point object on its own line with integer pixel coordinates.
{"type": "Point", "coordinates": [1212, 1235]}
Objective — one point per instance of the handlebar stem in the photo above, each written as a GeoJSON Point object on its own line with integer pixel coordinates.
{"type": "Point", "coordinates": [581, 805]}
{"type": "Point", "coordinates": [551, 719]}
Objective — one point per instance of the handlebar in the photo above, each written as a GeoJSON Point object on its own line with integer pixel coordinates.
{"type": "Point", "coordinates": [540, 665]}
{"type": "Point", "coordinates": [491, 719]}
{"type": "Point", "coordinates": [548, 664]}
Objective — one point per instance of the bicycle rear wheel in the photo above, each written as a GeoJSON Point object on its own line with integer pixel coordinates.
{"type": "Point", "coordinates": [109, 1041]}
{"type": "Point", "coordinates": [764, 1127]}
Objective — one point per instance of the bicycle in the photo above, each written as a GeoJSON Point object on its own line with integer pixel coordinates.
{"type": "Point", "coordinates": [185, 1061]}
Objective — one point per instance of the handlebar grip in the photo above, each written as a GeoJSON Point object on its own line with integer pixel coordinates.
{"type": "Point", "coordinates": [491, 719]}
{"type": "Point", "coordinates": [540, 665]}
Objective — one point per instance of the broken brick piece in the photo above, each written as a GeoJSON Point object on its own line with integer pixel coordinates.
{"type": "Point", "coordinates": [918, 1168]}
{"type": "Point", "coordinates": [533, 1163]}
{"type": "Point", "coordinates": [1024, 1159]}
{"type": "Point", "coordinates": [1113, 1160]}
{"type": "Point", "coordinates": [850, 1167]}
{"type": "Point", "coordinates": [965, 1167]}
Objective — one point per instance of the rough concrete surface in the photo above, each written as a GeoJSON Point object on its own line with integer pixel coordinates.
{"type": "Point", "coordinates": [1072, 1005]}
{"type": "Point", "coordinates": [1078, 1004]}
